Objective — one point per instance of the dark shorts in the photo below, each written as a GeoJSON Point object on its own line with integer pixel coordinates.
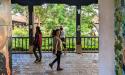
{"type": "Point", "coordinates": [63, 42]}
{"type": "Point", "coordinates": [58, 52]}
{"type": "Point", "coordinates": [63, 39]}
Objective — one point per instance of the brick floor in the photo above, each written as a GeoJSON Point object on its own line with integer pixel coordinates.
{"type": "Point", "coordinates": [73, 64]}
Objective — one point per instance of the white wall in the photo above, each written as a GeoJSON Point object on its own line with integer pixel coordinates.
{"type": "Point", "coordinates": [106, 42]}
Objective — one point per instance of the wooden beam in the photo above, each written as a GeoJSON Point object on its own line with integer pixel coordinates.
{"type": "Point", "coordinates": [69, 2]}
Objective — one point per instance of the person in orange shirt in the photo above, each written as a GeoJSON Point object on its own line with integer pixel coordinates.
{"type": "Point", "coordinates": [37, 44]}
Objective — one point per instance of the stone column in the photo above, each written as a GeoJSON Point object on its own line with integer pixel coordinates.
{"type": "Point", "coordinates": [5, 37]}
{"type": "Point", "coordinates": [106, 38]}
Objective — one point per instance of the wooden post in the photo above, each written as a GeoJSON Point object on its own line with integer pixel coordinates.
{"type": "Point", "coordinates": [78, 29]}
{"type": "Point", "coordinates": [31, 22]}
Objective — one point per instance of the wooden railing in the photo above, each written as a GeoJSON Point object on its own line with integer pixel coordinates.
{"type": "Point", "coordinates": [89, 44]}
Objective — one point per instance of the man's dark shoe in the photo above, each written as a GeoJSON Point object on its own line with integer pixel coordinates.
{"type": "Point", "coordinates": [59, 69]}
{"type": "Point", "coordinates": [36, 61]}
{"type": "Point", "coordinates": [51, 66]}
{"type": "Point", "coordinates": [39, 60]}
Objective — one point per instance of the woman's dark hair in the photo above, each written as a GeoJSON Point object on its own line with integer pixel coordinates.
{"type": "Point", "coordinates": [54, 32]}
{"type": "Point", "coordinates": [61, 28]}
{"type": "Point", "coordinates": [38, 29]}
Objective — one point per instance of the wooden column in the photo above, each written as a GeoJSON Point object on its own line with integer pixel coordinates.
{"type": "Point", "coordinates": [31, 22]}
{"type": "Point", "coordinates": [78, 29]}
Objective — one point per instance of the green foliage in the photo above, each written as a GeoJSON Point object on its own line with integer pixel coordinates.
{"type": "Point", "coordinates": [53, 15]}
{"type": "Point", "coordinates": [119, 20]}
{"type": "Point", "coordinates": [87, 14]}
{"type": "Point", "coordinates": [20, 32]}
{"type": "Point", "coordinates": [19, 9]}
{"type": "Point", "coordinates": [58, 14]}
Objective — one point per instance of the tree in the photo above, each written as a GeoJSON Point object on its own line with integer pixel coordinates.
{"type": "Point", "coordinates": [87, 14]}
{"type": "Point", "coordinates": [54, 15]}
{"type": "Point", "coordinates": [19, 9]}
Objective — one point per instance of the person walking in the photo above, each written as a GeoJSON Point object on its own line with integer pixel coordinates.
{"type": "Point", "coordinates": [62, 36]}
{"type": "Point", "coordinates": [37, 44]}
{"type": "Point", "coordinates": [57, 47]}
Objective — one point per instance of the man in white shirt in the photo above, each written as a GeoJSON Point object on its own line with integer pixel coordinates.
{"type": "Point", "coordinates": [94, 32]}
{"type": "Point", "coordinates": [62, 36]}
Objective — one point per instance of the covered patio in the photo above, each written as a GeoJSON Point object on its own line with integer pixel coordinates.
{"type": "Point", "coordinates": [78, 64]}
{"type": "Point", "coordinates": [84, 63]}
{"type": "Point", "coordinates": [73, 64]}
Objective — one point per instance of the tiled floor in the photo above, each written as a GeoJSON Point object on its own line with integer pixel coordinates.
{"type": "Point", "coordinates": [73, 64]}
